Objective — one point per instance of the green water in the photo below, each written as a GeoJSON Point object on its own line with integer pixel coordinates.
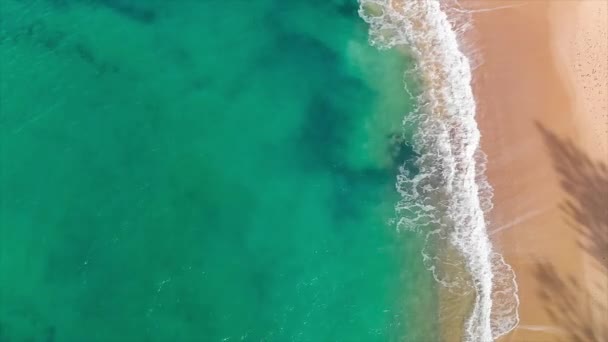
{"type": "Point", "coordinates": [202, 171]}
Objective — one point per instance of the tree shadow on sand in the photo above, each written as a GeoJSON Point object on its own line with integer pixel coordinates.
{"type": "Point", "coordinates": [571, 303]}
{"type": "Point", "coordinates": [571, 306]}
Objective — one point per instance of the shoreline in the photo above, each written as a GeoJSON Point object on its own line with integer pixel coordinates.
{"type": "Point", "coordinates": [450, 172]}
{"type": "Point", "coordinates": [542, 114]}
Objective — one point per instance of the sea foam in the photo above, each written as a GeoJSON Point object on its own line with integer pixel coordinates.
{"type": "Point", "coordinates": [449, 196]}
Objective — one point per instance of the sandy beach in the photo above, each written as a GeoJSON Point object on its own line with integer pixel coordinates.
{"type": "Point", "coordinates": [541, 87]}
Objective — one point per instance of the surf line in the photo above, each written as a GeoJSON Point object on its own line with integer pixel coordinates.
{"type": "Point", "coordinates": [450, 192]}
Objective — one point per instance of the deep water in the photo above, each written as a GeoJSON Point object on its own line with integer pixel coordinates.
{"type": "Point", "coordinates": [202, 171]}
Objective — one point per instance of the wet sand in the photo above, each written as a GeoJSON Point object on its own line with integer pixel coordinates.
{"type": "Point", "coordinates": [541, 91]}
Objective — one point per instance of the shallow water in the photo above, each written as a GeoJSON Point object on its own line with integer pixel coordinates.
{"type": "Point", "coordinates": [202, 170]}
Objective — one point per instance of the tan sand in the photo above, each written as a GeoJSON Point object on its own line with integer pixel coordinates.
{"type": "Point", "coordinates": [542, 92]}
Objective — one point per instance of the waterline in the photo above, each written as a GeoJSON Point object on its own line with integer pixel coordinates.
{"type": "Point", "coordinates": [449, 194]}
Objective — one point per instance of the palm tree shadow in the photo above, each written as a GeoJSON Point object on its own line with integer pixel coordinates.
{"type": "Point", "coordinates": [568, 303]}
{"type": "Point", "coordinates": [586, 183]}
{"type": "Point", "coordinates": [571, 306]}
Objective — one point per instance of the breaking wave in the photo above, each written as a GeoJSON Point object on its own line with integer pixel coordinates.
{"type": "Point", "coordinates": [448, 196]}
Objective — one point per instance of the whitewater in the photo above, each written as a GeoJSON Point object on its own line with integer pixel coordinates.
{"type": "Point", "coordinates": [448, 197]}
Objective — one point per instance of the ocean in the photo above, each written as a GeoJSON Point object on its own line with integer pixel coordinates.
{"type": "Point", "coordinates": [206, 171]}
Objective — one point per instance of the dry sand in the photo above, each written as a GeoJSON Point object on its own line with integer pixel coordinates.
{"type": "Point", "coordinates": [542, 92]}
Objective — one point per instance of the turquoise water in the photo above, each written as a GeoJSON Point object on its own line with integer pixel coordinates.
{"type": "Point", "coordinates": [202, 171]}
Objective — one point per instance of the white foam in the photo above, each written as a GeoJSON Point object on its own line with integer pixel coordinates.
{"type": "Point", "coordinates": [450, 194]}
